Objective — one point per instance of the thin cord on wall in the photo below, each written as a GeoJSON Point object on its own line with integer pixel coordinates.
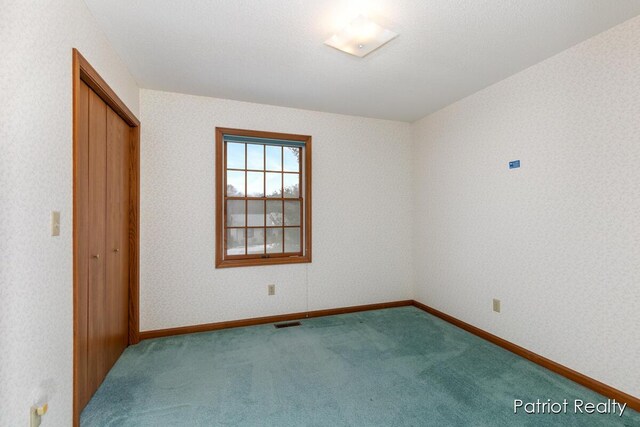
{"type": "Point", "coordinates": [306, 279]}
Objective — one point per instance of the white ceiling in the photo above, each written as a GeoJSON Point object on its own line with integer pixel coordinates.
{"type": "Point", "coordinates": [272, 51]}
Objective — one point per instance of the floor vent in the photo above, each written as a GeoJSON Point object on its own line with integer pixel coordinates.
{"type": "Point", "coordinates": [287, 324]}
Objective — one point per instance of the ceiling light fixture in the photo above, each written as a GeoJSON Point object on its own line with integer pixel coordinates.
{"type": "Point", "coordinates": [361, 37]}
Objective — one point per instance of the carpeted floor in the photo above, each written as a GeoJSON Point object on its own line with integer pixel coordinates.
{"type": "Point", "coordinates": [393, 367]}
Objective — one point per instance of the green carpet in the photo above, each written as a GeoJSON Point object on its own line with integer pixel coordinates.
{"type": "Point", "coordinates": [393, 367]}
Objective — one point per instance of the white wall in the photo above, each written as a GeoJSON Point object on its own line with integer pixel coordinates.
{"type": "Point", "coordinates": [36, 177]}
{"type": "Point", "coordinates": [361, 214]}
{"type": "Point", "coordinates": [558, 240]}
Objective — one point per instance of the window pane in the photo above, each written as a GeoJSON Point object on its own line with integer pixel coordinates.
{"type": "Point", "coordinates": [292, 239]}
{"type": "Point", "coordinates": [291, 184]}
{"type": "Point", "coordinates": [274, 157]}
{"type": "Point", "coordinates": [255, 184]}
{"type": "Point", "coordinates": [235, 156]}
{"type": "Point", "coordinates": [274, 185]}
{"type": "Point", "coordinates": [255, 213]}
{"type": "Point", "coordinates": [255, 156]}
{"type": "Point", "coordinates": [255, 240]}
{"type": "Point", "coordinates": [235, 241]}
{"type": "Point", "coordinates": [292, 212]}
{"type": "Point", "coordinates": [274, 212]}
{"type": "Point", "coordinates": [274, 240]}
{"type": "Point", "coordinates": [235, 183]}
{"type": "Point", "coordinates": [235, 213]}
{"type": "Point", "coordinates": [291, 159]}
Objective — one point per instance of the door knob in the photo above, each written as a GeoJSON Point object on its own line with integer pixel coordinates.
{"type": "Point", "coordinates": [96, 256]}
{"type": "Point", "coordinates": [116, 250]}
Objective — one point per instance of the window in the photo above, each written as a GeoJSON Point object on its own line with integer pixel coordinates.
{"type": "Point", "coordinates": [263, 198]}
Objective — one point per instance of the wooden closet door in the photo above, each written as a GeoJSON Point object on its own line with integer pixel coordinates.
{"type": "Point", "coordinates": [97, 362]}
{"type": "Point", "coordinates": [103, 241]}
{"type": "Point", "coordinates": [117, 237]}
{"type": "Point", "coordinates": [106, 139]}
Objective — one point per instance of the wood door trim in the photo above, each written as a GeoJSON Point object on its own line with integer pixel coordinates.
{"type": "Point", "coordinates": [90, 76]}
{"type": "Point", "coordinates": [134, 236]}
{"type": "Point", "coordinates": [82, 71]}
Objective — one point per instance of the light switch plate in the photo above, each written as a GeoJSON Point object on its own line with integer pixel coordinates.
{"type": "Point", "coordinates": [55, 223]}
{"type": "Point", "coordinates": [496, 305]}
{"type": "Point", "coordinates": [271, 289]}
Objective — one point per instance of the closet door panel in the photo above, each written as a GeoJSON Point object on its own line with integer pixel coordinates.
{"type": "Point", "coordinates": [124, 234]}
{"type": "Point", "coordinates": [117, 245]}
{"type": "Point", "coordinates": [97, 306]}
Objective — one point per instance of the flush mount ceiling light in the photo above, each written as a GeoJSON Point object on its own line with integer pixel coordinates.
{"type": "Point", "coordinates": [361, 37]}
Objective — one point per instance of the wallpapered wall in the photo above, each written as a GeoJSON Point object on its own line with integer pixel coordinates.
{"type": "Point", "coordinates": [361, 214]}
{"type": "Point", "coordinates": [36, 173]}
{"type": "Point", "coordinates": [558, 240]}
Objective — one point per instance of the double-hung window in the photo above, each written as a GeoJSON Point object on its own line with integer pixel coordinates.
{"type": "Point", "coordinates": [263, 198]}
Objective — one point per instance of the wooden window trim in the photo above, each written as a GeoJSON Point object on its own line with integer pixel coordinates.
{"type": "Point", "coordinates": [222, 261]}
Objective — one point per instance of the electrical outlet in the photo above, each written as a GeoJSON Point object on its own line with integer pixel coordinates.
{"type": "Point", "coordinates": [496, 305]}
{"type": "Point", "coordinates": [271, 289]}
{"type": "Point", "coordinates": [36, 413]}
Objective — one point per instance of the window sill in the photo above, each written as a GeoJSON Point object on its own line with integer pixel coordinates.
{"type": "Point", "coordinates": [228, 263]}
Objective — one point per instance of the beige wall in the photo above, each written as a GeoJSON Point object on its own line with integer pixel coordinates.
{"type": "Point", "coordinates": [361, 221]}
{"type": "Point", "coordinates": [36, 178]}
{"type": "Point", "coordinates": [431, 204]}
{"type": "Point", "coordinates": [558, 240]}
